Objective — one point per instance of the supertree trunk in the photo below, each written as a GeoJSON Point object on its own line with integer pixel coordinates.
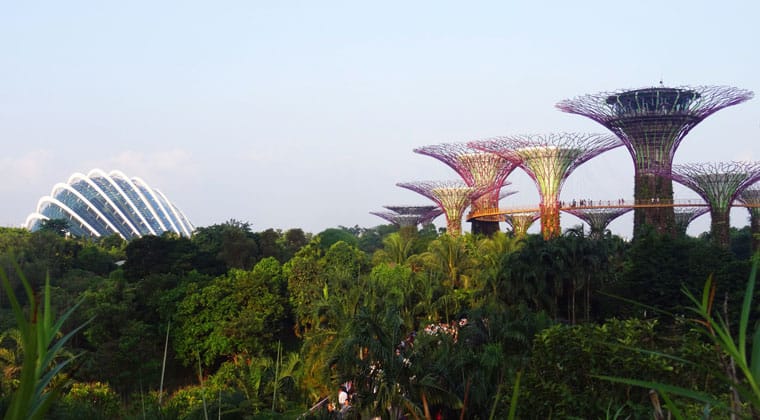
{"type": "Point", "coordinates": [653, 190]}
{"type": "Point", "coordinates": [719, 227]}
{"type": "Point", "coordinates": [754, 222]}
{"type": "Point", "coordinates": [485, 227]}
{"type": "Point", "coordinates": [750, 197]}
{"type": "Point", "coordinates": [550, 227]}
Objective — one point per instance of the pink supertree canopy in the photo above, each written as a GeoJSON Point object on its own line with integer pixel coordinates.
{"type": "Point", "coordinates": [476, 167]}
{"type": "Point", "coordinates": [719, 184]}
{"type": "Point", "coordinates": [521, 222]}
{"type": "Point", "coordinates": [652, 122]}
{"type": "Point", "coordinates": [549, 159]}
{"type": "Point", "coordinates": [598, 218]}
{"type": "Point", "coordinates": [686, 215]}
{"type": "Point", "coordinates": [452, 197]}
{"type": "Point", "coordinates": [409, 216]}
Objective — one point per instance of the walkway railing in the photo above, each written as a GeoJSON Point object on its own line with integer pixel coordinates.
{"type": "Point", "coordinates": [600, 204]}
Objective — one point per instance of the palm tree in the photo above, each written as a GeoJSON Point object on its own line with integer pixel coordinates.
{"type": "Point", "coordinates": [451, 256]}
{"type": "Point", "coordinates": [397, 249]}
{"type": "Point", "coordinates": [11, 357]}
{"type": "Point", "coordinates": [368, 356]}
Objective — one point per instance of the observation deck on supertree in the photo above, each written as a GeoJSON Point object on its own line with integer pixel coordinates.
{"type": "Point", "coordinates": [719, 184]}
{"type": "Point", "coordinates": [452, 197]}
{"type": "Point", "coordinates": [521, 222]}
{"type": "Point", "coordinates": [409, 216]}
{"type": "Point", "coordinates": [652, 122]}
{"type": "Point", "coordinates": [478, 169]}
{"type": "Point", "coordinates": [597, 218]}
{"type": "Point", "coordinates": [685, 215]}
{"type": "Point", "coordinates": [549, 159]}
{"type": "Point", "coordinates": [750, 197]}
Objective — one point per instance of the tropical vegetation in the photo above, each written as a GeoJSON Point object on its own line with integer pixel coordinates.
{"type": "Point", "coordinates": [237, 324]}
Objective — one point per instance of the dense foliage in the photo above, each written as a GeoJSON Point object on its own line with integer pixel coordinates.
{"type": "Point", "coordinates": [269, 324]}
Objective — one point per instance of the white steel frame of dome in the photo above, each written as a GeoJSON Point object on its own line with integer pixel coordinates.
{"type": "Point", "coordinates": [156, 207]}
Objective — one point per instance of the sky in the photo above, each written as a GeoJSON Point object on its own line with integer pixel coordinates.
{"type": "Point", "coordinates": [304, 114]}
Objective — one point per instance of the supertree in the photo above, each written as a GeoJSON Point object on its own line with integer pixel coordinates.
{"type": "Point", "coordinates": [549, 159]}
{"type": "Point", "coordinates": [718, 184]}
{"type": "Point", "coordinates": [478, 169]}
{"type": "Point", "coordinates": [408, 217]}
{"type": "Point", "coordinates": [652, 122]}
{"type": "Point", "coordinates": [426, 213]}
{"type": "Point", "coordinates": [452, 197]}
{"type": "Point", "coordinates": [521, 222]}
{"type": "Point", "coordinates": [750, 197]}
{"type": "Point", "coordinates": [685, 215]}
{"type": "Point", "coordinates": [598, 218]}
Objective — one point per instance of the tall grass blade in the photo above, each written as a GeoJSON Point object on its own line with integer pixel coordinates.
{"type": "Point", "coordinates": [746, 307]}
{"type": "Point", "coordinates": [672, 407]}
{"type": "Point", "coordinates": [163, 364]}
{"type": "Point", "coordinates": [515, 396]}
{"type": "Point", "coordinates": [755, 360]}
{"type": "Point", "coordinates": [670, 389]}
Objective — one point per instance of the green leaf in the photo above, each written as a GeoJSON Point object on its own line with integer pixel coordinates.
{"type": "Point", "coordinates": [665, 388]}
{"type": "Point", "coordinates": [515, 394]}
{"type": "Point", "coordinates": [755, 360]}
{"type": "Point", "coordinates": [706, 293]}
{"type": "Point", "coordinates": [672, 407]}
{"type": "Point", "coordinates": [746, 307]}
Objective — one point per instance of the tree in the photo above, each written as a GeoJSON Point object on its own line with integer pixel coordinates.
{"type": "Point", "coordinates": [95, 259]}
{"type": "Point", "coordinates": [159, 254]}
{"type": "Point", "coordinates": [329, 237]}
{"type": "Point", "coordinates": [293, 240]}
{"type": "Point", "coordinates": [371, 239]}
{"type": "Point", "coordinates": [240, 312]}
{"type": "Point", "coordinates": [561, 377]}
{"type": "Point", "coordinates": [231, 244]}
{"type": "Point", "coordinates": [657, 267]}
{"type": "Point", "coordinates": [451, 257]}
{"type": "Point", "coordinates": [271, 244]}
{"type": "Point", "coordinates": [58, 226]}
{"type": "Point", "coordinates": [304, 273]}
{"type": "Point", "coordinates": [397, 249]}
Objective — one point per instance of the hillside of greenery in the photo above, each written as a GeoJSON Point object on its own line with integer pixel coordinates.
{"type": "Point", "coordinates": [239, 324]}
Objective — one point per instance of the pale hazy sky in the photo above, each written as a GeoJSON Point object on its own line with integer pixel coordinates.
{"type": "Point", "coordinates": [304, 114]}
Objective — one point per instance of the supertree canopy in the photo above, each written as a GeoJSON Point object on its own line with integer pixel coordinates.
{"type": "Point", "coordinates": [521, 222]}
{"type": "Point", "coordinates": [652, 122]}
{"type": "Point", "coordinates": [598, 218]}
{"type": "Point", "coordinates": [409, 216]}
{"type": "Point", "coordinates": [478, 169]}
{"type": "Point", "coordinates": [750, 197]}
{"type": "Point", "coordinates": [718, 184]}
{"type": "Point", "coordinates": [418, 210]}
{"type": "Point", "coordinates": [549, 159]}
{"type": "Point", "coordinates": [685, 215]}
{"type": "Point", "coordinates": [452, 197]}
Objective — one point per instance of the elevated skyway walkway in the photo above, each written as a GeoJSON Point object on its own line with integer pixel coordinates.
{"type": "Point", "coordinates": [596, 204]}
